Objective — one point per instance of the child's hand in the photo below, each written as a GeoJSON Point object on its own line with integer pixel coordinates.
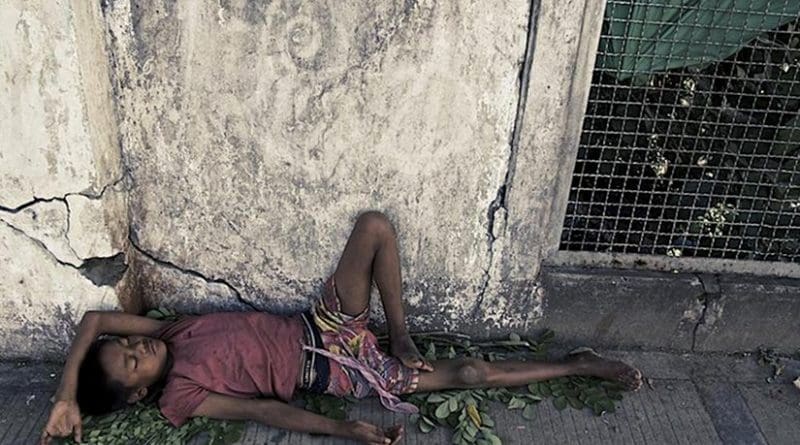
{"type": "Point", "coordinates": [373, 435]}
{"type": "Point", "coordinates": [65, 418]}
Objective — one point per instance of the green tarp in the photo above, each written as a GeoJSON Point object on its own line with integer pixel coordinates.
{"type": "Point", "coordinates": [645, 36]}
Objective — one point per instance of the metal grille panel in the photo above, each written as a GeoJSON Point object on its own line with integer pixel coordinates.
{"type": "Point", "coordinates": [690, 142]}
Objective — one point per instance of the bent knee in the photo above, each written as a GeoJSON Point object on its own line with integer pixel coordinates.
{"type": "Point", "coordinates": [375, 222]}
{"type": "Point", "coordinates": [473, 373]}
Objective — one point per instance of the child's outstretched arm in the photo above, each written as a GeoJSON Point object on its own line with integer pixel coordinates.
{"type": "Point", "coordinates": [281, 415]}
{"type": "Point", "coordinates": [65, 418]}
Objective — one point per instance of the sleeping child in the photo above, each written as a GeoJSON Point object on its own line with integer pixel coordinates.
{"type": "Point", "coordinates": [247, 365]}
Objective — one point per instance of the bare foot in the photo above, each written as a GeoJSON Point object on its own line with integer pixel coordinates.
{"type": "Point", "coordinates": [592, 364]}
{"type": "Point", "coordinates": [403, 348]}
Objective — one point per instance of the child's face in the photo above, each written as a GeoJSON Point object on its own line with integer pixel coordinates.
{"type": "Point", "coordinates": [136, 362]}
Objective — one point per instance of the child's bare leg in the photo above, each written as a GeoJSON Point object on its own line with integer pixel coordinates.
{"type": "Point", "coordinates": [371, 253]}
{"type": "Point", "coordinates": [475, 373]}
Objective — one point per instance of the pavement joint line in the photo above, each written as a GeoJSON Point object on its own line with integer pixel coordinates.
{"type": "Point", "coordinates": [749, 409]}
{"type": "Point", "coordinates": [729, 412]}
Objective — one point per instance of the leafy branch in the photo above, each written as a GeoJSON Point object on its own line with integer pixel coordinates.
{"type": "Point", "coordinates": [466, 411]}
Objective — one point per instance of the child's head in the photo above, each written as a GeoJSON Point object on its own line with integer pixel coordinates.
{"type": "Point", "coordinates": [118, 371]}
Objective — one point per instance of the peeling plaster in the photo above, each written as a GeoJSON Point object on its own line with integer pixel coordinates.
{"type": "Point", "coordinates": [48, 223]}
{"type": "Point", "coordinates": [95, 269]}
{"type": "Point", "coordinates": [106, 271]}
{"type": "Point", "coordinates": [25, 218]}
{"type": "Point", "coordinates": [100, 271]}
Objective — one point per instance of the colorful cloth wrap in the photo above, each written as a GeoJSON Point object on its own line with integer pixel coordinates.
{"type": "Point", "coordinates": [357, 366]}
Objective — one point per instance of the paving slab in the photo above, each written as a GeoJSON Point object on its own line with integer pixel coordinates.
{"type": "Point", "coordinates": [776, 408]}
{"type": "Point", "coordinates": [729, 413]}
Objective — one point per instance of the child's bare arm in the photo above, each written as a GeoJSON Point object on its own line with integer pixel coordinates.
{"type": "Point", "coordinates": [282, 415]}
{"type": "Point", "coordinates": [65, 416]}
{"type": "Point", "coordinates": [96, 323]}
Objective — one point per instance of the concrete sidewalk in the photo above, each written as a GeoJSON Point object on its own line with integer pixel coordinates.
{"type": "Point", "coordinates": [691, 398]}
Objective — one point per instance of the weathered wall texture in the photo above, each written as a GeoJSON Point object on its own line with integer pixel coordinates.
{"type": "Point", "coordinates": [63, 209]}
{"type": "Point", "coordinates": [213, 155]}
{"type": "Point", "coordinates": [256, 131]}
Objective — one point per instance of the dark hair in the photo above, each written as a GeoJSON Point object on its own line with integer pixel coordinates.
{"type": "Point", "coordinates": [97, 392]}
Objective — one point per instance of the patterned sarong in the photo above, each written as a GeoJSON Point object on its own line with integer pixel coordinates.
{"type": "Point", "coordinates": [357, 366]}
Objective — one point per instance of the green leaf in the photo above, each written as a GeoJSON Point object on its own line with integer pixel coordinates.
{"type": "Point", "coordinates": [532, 398]}
{"type": "Point", "coordinates": [451, 352]}
{"type": "Point", "coordinates": [575, 403]}
{"type": "Point", "coordinates": [514, 337]}
{"type": "Point", "coordinates": [560, 403]}
{"type": "Point", "coordinates": [614, 395]}
{"type": "Point", "coordinates": [547, 336]}
{"type": "Point", "coordinates": [430, 354]}
{"type": "Point", "coordinates": [452, 404]}
{"type": "Point", "coordinates": [155, 313]}
{"type": "Point", "coordinates": [442, 411]}
{"type": "Point", "coordinates": [544, 389]}
{"type": "Point", "coordinates": [471, 430]}
{"type": "Point", "coordinates": [492, 438]}
{"type": "Point", "coordinates": [608, 405]}
{"type": "Point", "coordinates": [435, 398]}
{"type": "Point", "coordinates": [528, 412]}
{"type": "Point", "coordinates": [516, 403]}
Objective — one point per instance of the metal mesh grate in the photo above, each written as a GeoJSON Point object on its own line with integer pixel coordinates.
{"type": "Point", "coordinates": [691, 138]}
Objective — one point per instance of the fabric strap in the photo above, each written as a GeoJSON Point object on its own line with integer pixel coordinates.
{"type": "Point", "coordinates": [376, 381]}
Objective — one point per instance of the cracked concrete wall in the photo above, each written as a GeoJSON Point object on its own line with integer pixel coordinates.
{"type": "Point", "coordinates": [63, 209]}
{"type": "Point", "coordinates": [256, 131]}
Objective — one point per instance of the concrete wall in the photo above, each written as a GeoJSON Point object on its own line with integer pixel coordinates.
{"type": "Point", "coordinates": [255, 132]}
{"type": "Point", "coordinates": [62, 202]}
{"type": "Point", "coordinates": [213, 156]}
{"type": "Point", "coordinates": [251, 134]}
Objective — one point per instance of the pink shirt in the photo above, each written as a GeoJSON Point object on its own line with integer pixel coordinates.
{"type": "Point", "coordinates": [240, 354]}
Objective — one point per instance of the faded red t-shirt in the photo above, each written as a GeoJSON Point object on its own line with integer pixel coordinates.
{"type": "Point", "coordinates": [241, 354]}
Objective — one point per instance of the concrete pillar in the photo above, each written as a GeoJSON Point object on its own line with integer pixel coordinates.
{"type": "Point", "coordinates": [63, 216]}
{"type": "Point", "coordinates": [528, 212]}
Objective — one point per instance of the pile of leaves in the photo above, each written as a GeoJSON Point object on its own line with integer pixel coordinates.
{"type": "Point", "coordinates": [144, 424]}
{"type": "Point", "coordinates": [466, 412]}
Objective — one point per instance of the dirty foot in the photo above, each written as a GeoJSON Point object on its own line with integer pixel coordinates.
{"type": "Point", "coordinates": [590, 363]}
{"type": "Point", "coordinates": [404, 349]}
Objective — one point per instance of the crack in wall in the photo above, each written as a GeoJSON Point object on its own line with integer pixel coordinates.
{"type": "Point", "coordinates": [63, 200]}
{"type": "Point", "coordinates": [101, 271]}
{"type": "Point", "coordinates": [39, 243]}
{"type": "Point", "coordinates": [188, 271]}
{"type": "Point", "coordinates": [496, 226]}
{"type": "Point", "coordinates": [66, 231]}
{"type": "Point", "coordinates": [710, 291]}
{"type": "Point", "coordinates": [37, 200]}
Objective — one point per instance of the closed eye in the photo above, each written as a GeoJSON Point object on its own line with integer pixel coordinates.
{"type": "Point", "coordinates": [131, 362]}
